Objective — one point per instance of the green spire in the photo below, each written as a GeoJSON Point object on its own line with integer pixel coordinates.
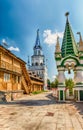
{"type": "Point", "coordinates": [69, 46]}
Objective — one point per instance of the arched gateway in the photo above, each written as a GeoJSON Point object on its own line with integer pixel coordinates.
{"type": "Point", "coordinates": [70, 56]}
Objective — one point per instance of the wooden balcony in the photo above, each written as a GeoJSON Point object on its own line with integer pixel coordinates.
{"type": "Point", "coordinates": [10, 67]}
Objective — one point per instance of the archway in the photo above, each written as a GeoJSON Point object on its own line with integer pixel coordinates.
{"type": "Point", "coordinates": [70, 57]}
{"type": "Point", "coordinates": [69, 83]}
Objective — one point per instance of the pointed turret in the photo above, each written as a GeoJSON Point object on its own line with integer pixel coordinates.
{"type": "Point", "coordinates": [69, 46]}
{"type": "Point", "coordinates": [57, 50]}
{"type": "Point", "coordinates": [37, 48]}
{"type": "Point", "coordinates": [80, 42]}
{"type": "Point", "coordinates": [37, 43]}
{"type": "Point", "coordinates": [28, 63]}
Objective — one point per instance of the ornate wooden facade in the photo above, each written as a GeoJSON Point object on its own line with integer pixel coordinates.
{"type": "Point", "coordinates": [10, 73]}
{"type": "Point", "coordinates": [14, 77]}
{"type": "Point", "coordinates": [30, 82]}
{"type": "Point", "coordinates": [37, 82]}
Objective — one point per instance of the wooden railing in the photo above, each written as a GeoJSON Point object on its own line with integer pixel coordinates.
{"type": "Point", "coordinates": [8, 66]}
{"type": "Point", "coordinates": [25, 85]}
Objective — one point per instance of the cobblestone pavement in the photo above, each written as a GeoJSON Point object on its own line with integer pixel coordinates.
{"type": "Point", "coordinates": [41, 112]}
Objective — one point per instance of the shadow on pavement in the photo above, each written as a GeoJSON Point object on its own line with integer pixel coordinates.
{"type": "Point", "coordinates": [41, 102]}
{"type": "Point", "coordinates": [79, 107]}
{"type": "Point", "coordinates": [28, 102]}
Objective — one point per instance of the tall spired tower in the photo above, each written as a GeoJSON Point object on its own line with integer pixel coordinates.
{"type": "Point", "coordinates": [38, 61]}
{"type": "Point", "coordinates": [70, 57]}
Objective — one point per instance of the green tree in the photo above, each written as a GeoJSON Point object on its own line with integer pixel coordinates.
{"type": "Point", "coordinates": [69, 84]}
{"type": "Point", "coordinates": [48, 83]}
{"type": "Point", "coordinates": [54, 84]}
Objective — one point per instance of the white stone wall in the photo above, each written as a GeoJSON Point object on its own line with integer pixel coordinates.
{"type": "Point", "coordinates": [58, 62]}
{"type": "Point", "coordinates": [78, 75]}
{"type": "Point", "coordinates": [37, 59]}
{"type": "Point", "coordinates": [61, 75]}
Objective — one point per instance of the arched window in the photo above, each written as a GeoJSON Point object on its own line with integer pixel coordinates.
{"type": "Point", "coordinates": [32, 64]}
{"type": "Point", "coordinates": [36, 64]}
{"type": "Point", "coordinates": [41, 64]}
{"type": "Point", "coordinates": [35, 52]}
{"type": "Point", "coordinates": [39, 52]}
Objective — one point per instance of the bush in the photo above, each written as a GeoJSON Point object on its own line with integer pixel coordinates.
{"type": "Point", "coordinates": [38, 92]}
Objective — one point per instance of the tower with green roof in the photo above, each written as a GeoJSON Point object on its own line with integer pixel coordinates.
{"type": "Point", "coordinates": [69, 56]}
{"type": "Point", "coordinates": [69, 46]}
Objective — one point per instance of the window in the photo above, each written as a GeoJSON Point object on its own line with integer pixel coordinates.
{"type": "Point", "coordinates": [19, 79]}
{"type": "Point", "coordinates": [41, 64]}
{"type": "Point", "coordinates": [32, 64]}
{"type": "Point", "coordinates": [35, 52]}
{"type": "Point", "coordinates": [36, 64]}
{"type": "Point", "coordinates": [6, 77]}
{"type": "Point", "coordinates": [16, 79]}
{"type": "Point", "coordinates": [38, 52]}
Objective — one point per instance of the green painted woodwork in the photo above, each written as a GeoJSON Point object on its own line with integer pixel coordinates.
{"type": "Point", "coordinates": [69, 46]}
{"type": "Point", "coordinates": [79, 83]}
{"type": "Point", "coordinates": [81, 57]}
{"type": "Point", "coordinates": [70, 57]}
{"type": "Point", "coordinates": [81, 95]}
{"type": "Point", "coordinates": [61, 94]}
{"type": "Point", "coordinates": [57, 59]}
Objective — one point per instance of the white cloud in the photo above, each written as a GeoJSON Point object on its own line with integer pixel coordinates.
{"type": "Point", "coordinates": [50, 38]}
{"type": "Point", "coordinates": [3, 41]}
{"type": "Point", "coordinates": [7, 42]}
{"type": "Point", "coordinates": [54, 76]}
{"type": "Point", "coordinates": [14, 48]}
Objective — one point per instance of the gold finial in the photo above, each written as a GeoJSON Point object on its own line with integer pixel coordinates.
{"type": "Point", "coordinates": [66, 14]}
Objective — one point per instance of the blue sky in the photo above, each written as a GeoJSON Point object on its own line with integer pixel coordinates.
{"type": "Point", "coordinates": [19, 20]}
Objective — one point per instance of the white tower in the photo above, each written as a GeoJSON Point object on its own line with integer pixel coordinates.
{"type": "Point", "coordinates": [38, 61]}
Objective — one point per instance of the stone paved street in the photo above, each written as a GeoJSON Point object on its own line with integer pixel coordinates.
{"type": "Point", "coordinates": [41, 112]}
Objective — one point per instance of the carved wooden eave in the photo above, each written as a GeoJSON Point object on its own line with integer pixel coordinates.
{"type": "Point", "coordinates": [6, 51]}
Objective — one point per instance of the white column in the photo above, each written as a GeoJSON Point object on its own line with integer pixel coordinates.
{"type": "Point", "coordinates": [63, 95]}
{"type": "Point", "coordinates": [59, 95]}
{"type": "Point", "coordinates": [61, 76]}
{"type": "Point", "coordinates": [78, 75]}
{"type": "Point", "coordinates": [78, 95]}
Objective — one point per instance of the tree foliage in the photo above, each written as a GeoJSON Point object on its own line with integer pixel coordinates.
{"type": "Point", "coordinates": [69, 84]}
{"type": "Point", "coordinates": [48, 82]}
{"type": "Point", "coordinates": [54, 84]}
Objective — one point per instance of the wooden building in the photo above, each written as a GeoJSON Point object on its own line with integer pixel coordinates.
{"type": "Point", "coordinates": [37, 82]}
{"type": "Point", "coordinates": [10, 74]}
{"type": "Point", "coordinates": [14, 77]}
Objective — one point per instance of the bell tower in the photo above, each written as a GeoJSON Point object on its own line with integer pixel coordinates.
{"type": "Point", "coordinates": [37, 58]}
{"type": "Point", "coordinates": [38, 61]}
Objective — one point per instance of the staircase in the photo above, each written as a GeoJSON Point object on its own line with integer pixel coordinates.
{"type": "Point", "coordinates": [26, 81]}
{"type": "Point", "coordinates": [24, 84]}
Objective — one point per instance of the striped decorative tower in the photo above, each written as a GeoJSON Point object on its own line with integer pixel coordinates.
{"type": "Point", "coordinates": [70, 56]}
